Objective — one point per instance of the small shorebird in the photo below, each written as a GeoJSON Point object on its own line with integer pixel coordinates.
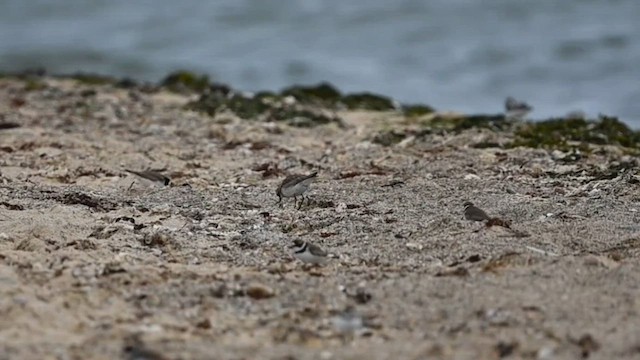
{"type": "Point", "coordinates": [515, 109]}
{"type": "Point", "coordinates": [294, 186]}
{"type": "Point", "coordinates": [152, 176]}
{"type": "Point", "coordinates": [308, 253]}
{"type": "Point", "coordinates": [474, 213]}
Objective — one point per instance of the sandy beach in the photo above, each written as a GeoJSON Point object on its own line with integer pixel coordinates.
{"type": "Point", "coordinates": [97, 263]}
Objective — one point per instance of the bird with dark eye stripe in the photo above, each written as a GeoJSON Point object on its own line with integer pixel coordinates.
{"type": "Point", "coordinates": [308, 252]}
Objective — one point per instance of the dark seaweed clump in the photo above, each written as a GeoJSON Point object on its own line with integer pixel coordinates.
{"type": "Point", "coordinates": [301, 106]}
{"type": "Point", "coordinates": [417, 110]}
{"type": "Point", "coordinates": [323, 94]}
{"type": "Point", "coordinates": [566, 134]}
{"type": "Point", "coordinates": [563, 134]}
{"type": "Point", "coordinates": [367, 101]}
{"type": "Point", "coordinates": [327, 95]}
{"type": "Point", "coordinates": [184, 81]}
{"type": "Point", "coordinates": [262, 106]}
{"type": "Point", "coordinates": [458, 124]}
{"type": "Point", "coordinates": [445, 124]}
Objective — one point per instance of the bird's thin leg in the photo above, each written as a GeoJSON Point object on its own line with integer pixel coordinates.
{"type": "Point", "coordinates": [301, 202]}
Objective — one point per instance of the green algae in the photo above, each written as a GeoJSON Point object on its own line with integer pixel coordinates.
{"type": "Point", "coordinates": [183, 81]}
{"type": "Point", "coordinates": [314, 105]}
{"type": "Point", "coordinates": [263, 106]}
{"type": "Point", "coordinates": [458, 124]}
{"type": "Point", "coordinates": [244, 107]}
{"type": "Point", "coordinates": [563, 134]}
{"type": "Point", "coordinates": [327, 95]}
{"type": "Point", "coordinates": [416, 110]}
{"type": "Point", "coordinates": [367, 101]}
{"type": "Point", "coordinates": [320, 94]}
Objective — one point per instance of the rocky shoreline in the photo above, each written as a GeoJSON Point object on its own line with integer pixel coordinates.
{"type": "Point", "coordinates": [96, 263]}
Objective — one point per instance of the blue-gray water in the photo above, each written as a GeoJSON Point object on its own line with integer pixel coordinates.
{"type": "Point", "coordinates": [466, 55]}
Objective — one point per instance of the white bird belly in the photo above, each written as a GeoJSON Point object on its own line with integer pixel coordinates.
{"type": "Point", "coordinates": [309, 258]}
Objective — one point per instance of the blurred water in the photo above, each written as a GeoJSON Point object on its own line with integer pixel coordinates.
{"type": "Point", "coordinates": [466, 55]}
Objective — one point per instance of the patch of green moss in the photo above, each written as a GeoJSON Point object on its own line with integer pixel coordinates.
{"type": "Point", "coordinates": [561, 133]}
{"type": "Point", "coordinates": [263, 105]}
{"type": "Point", "coordinates": [460, 123]}
{"type": "Point", "coordinates": [322, 94]}
{"type": "Point", "coordinates": [367, 101]}
{"type": "Point", "coordinates": [182, 80]}
{"type": "Point", "coordinates": [34, 84]}
{"type": "Point", "coordinates": [267, 95]}
{"type": "Point", "coordinates": [269, 98]}
{"type": "Point", "coordinates": [245, 107]}
{"type": "Point", "coordinates": [417, 110]}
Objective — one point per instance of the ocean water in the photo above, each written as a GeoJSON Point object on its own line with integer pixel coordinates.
{"type": "Point", "coordinates": [463, 55]}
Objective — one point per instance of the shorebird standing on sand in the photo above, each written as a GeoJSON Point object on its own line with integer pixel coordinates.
{"type": "Point", "coordinates": [294, 186]}
{"type": "Point", "coordinates": [474, 213]}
